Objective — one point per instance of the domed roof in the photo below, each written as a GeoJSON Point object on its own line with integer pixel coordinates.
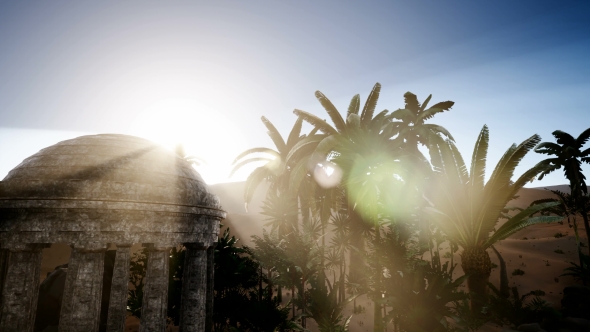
{"type": "Point", "coordinates": [108, 167]}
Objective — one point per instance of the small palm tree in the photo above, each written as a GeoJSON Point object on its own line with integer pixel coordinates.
{"type": "Point", "coordinates": [569, 209]}
{"type": "Point", "coordinates": [276, 170]}
{"type": "Point", "coordinates": [568, 154]}
{"type": "Point", "coordinates": [468, 210]}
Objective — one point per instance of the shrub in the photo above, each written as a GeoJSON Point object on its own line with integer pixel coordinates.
{"type": "Point", "coordinates": [517, 272]}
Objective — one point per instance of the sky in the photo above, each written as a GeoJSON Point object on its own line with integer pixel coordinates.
{"type": "Point", "coordinates": [204, 72]}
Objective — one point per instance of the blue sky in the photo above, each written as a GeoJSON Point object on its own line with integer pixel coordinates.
{"type": "Point", "coordinates": [203, 72]}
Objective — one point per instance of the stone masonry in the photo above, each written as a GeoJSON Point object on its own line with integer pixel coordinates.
{"type": "Point", "coordinates": [97, 190]}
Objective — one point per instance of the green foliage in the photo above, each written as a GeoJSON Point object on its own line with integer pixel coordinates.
{"type": "Point", "coordinates": [580, 272]}
{"type": "Point", "coordinates": [514, 310]}
{"type": "Point", "coordinates": [137, 270]}
{"type": "Point", "coordinates": [325, 308]}
{"type": "Point", "coordinates": [424, 300]}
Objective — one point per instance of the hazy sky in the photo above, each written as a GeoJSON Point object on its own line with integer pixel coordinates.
{"type": "Point", "coordinates": [203, 72]}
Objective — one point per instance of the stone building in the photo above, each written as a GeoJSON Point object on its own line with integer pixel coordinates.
{"type": "Point", "coordinates": [96, 191]}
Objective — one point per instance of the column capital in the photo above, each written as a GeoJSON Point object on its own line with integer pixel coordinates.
{"type": "Point", "coordinates": [155, 247]}
{"type": "Point", "coordinates": [26, 247]}
{"type": "Point", "coordinates": [89, 247]}
{"type": "Point", "coordinates": [124, 245]}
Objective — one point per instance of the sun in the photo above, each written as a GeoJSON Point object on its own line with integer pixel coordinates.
{"type": "Point", "coordinates": [204, 131]}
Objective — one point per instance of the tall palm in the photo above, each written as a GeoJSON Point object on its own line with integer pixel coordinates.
{"type": "Point", "coordinates": [468, 210]}
{"type": "Point", "coordinates": [361, 147]}
{"type": "Point", "coordinates": [568, 154]}
{"type": "Point", "coordinates": [413, 131]}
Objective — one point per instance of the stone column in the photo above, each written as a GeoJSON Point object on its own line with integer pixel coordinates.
{"type": "Point", "coordinates": [80, 309]}
{"type": "Point", "coordinates": [210, 287]}
{"type": "Point", "coordinates": [155, 290]}
{"type": "Point", "coordinates": [21, 288]}
{"type": "Point", "coordinates": [194, 289]}
{"type": "Point", "coordinates": [119, 290]}
{"type": "Point", "coordinates": [3, 268]}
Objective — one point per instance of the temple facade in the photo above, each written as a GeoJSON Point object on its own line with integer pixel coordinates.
{"type": "Point", "coordinates": [97, 191]}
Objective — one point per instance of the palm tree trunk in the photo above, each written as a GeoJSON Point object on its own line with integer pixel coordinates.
{"type": "Point", "coordinates": [270, 285]}
{"type": "Point", "coordinates": [586, 225]}
{"type": "Point", "coordinates": [476, 263]}
{"type": "Point", "coordinates": [377, 317]}
{"type": "Point", "coordinates": [356, 241]}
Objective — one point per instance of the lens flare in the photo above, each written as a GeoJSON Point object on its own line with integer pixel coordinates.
{"type": "Point", "coordinates": [327, 174]}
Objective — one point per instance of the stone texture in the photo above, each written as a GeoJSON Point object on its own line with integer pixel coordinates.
{"type": "Point", "coordinates": [21, 284]}
{"type": "Point", "coordinates": [80, 311]}
{"type": "Point", "coordinates": [210, 288]}
{"type": "Point", "coordinates": [155, 290]}
{"type": "Point", "coordinates": [117, 311]}
{"type": "Point", "coordinates": [3, 267]}
{"type": "Point", "coordinates": [109, 167]}
{"type": "Point", "coordinates": [99, 189]}
{"type": "Point", "coordinates": [194, 289]}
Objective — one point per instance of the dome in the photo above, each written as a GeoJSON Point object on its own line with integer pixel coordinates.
{"type": "Point", "coordinates": [108, 167]}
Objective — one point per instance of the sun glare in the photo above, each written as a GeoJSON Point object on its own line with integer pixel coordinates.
{"type": "Point", "coordinates": [204, 131]}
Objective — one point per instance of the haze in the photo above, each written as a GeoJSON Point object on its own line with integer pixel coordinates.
{"type": "Point", "coordinates": [202, 73]}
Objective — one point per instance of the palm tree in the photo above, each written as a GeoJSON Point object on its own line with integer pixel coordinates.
{"type": "Point", "coordinates": [412, 131]}
{"type": "Point", "coordinates": [361, 147]}
{"type": "Point", "coordinates": [412, 128]}
{"type": "Point", "coordinates": [468, 210]}
{"type": "Point", "coordinates": [275, 170]}
{"type": "Point", "coordinates": [568, 154]}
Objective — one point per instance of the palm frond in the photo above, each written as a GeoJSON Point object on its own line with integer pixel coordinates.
{"type": "Point", "coordinates": [550, 168]}
{"type": "Point", "coordinates": [353, 120]}
{"type": "Point", "coordinates": [404, 114]}
{"type": "Point", "coordinates": [254, 180]}
{"type": "Point", "coordinates": [379, 120]}
{"type": "Point", "coordinates": [298, 174]}
{"type": "Point", "coordinates": [274, 135]}
{"type": "Point", "coordinates": [459, 162]}
{"type": "Point", "coordinates": [370, 105]}
{"type": "Point", "coordinates": [564, 138]}
{"type": "Point", "coordinates": [354, 106]}
{"type": "Point", "coordinates": [548, 148]}
{"type": "Point", "coordinates": [583, 138]}
{"type": "Point", "coordinates": [308, 143]}
{"type": "Point", "coordinates": [295, 133]}
{"type": "Point", "coordinates": [332, 111]}
{"type": "Point", "coordinates": [505, 168]}
{"type": "Point", "coordinates": [444, 105]}
{"type": "Point", "coordinates": [478, 161]}
{"type": "Point", "coordinates": [425, 103]}
{"type": "Point", "coordinates": [438, 129]}
{"type": "Point", "coordinates": [412, 102]}
{"type": "Point", "coordinates": [256, 150]}
{"type": "Point", "coordinates": [247, 161]}
{"type": "Point", "coordinates": [316, 122]}
{"type": "Point", "coordinates": [503, 233]}
{"type": "Point", "coordinates": [327, 145]}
